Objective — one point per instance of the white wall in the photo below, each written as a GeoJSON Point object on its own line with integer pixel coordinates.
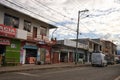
{"type": "Point", "coordinates": [22, 17]}
{"type": "Point", "coordinates": [1, 15]}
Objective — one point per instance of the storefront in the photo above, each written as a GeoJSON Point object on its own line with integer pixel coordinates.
{"type": "Point", "coordinates": [3, 43]}
{"type": "Point", "coordinates": [45, 55]}
{"type": "Point", "coordinates": [10, 47]}
{"type": "Point", "coordinates": [63, 56]}
{"type": "Point", "coordinates": [55, 57]}
{"type": "Point", "coordinates": [29, 52]}
{"type": "Point", "coordinates": [2, 53]}
{"type": "Point", "coordinates": [81, 56]}
{"type": "Point", "coordinates": [71, 55]}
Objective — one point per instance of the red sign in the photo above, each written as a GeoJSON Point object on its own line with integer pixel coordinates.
{"type": "Point", "coordinates": [4, 41]}
{"type": "Point", "coordinates": [7, 31]}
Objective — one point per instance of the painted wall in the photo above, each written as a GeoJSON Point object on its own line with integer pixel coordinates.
{"type": "Point", "coordinates": [22, 17]}
{"type": "Point", "coordinates": [13, 51]}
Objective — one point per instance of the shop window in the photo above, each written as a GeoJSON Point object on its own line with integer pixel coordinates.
{"type": "Point", "coordinates": [81, 55]}
{"type": "Point", "coordinates": [27, 25]}
{"type": "Point", "coordinates": [43, 31]}
{"type": "Point", "coordinates": [11, 21]}
{"type": "Point", "coordinates": [90, 45]}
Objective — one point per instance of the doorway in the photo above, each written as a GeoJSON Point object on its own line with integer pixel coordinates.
{"type": "Point", "coordinates": [31, 56]}
{"type": "Point", "coordinates": [64, 57]}
{"type": "Point", "coordinates": [2, 54]}
{"type": "Point", "coordinates": [34, 32]}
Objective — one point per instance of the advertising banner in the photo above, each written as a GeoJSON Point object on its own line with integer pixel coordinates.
{"type": "Point", "coordinates": [7, 31]}
{"type": "Point", "coordinates": [4, 41]}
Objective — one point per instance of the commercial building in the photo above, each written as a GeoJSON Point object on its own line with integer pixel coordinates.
{"type": "Point", "coordinates": [64, 51]}
{"type": "Point", "coordinates": [23, 39]}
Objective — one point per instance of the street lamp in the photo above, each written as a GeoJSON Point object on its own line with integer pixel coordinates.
{"type": "Point", "coordinates": [76, 57]}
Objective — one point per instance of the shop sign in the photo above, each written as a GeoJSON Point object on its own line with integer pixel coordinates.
{"type": "Point", "coordinates": [73, 44]}
{"type": "Point", "coordinates": [7, 31]}
{"type": "Point", "coordinates": [4, 41]}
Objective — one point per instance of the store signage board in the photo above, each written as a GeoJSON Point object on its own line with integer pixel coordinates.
{"type": "Point", "coordinates": [7, 31]}
{"type": "Point", "coordinates": [4, 41]}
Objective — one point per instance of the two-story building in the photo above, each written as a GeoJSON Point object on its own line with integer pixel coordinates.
{"type": "Point", "coordinates": [108, 48]}
{"type": "Point", "coordinates": [23, 38]}
{"type": "Point", "coordinates": [65, 51]}
{"type": "Point", "coordinates": [92, 46]}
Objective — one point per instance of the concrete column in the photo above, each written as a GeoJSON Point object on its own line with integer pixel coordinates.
{"type": "Point", "coordinates": [68, 55]}
{"type": "Point", "coordinates": [88, 56]}
{"type": "Point", "coordinates": [59, 56]}
{"type": "Point", "coordinates": [24, 54]}
{"type": "Point", "coordinates": [38, 55]}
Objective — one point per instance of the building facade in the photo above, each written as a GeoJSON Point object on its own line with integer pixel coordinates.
{"type": "Point", "coordinates": [109, 49]}
{"type": "Point", "coordinates": [23, 38]}
{"type": "Point", "coordinates": [92, 46]}
{"type": "Point", "coordinates": [64, 51]}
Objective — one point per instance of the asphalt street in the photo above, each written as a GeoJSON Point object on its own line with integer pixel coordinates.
{"type": "Point", "coordinates": [78, 73]}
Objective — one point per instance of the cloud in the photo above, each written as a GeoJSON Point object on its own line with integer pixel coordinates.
{"type": "Point", "coordinates": [64, 23]}
{"type": "Point", "coordinates": [103, 20]}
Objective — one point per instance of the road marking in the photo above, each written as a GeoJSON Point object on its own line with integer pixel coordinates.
{"type": "Point", "coordinates": [47, 73]}
{"type": "Point", "coordinates": [63, 71]}
{"type": "Point", "coordinates": [118, 78]}
{"type": "Point", "coordinates": [27, 74]}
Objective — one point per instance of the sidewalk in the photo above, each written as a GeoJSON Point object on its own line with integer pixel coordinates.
{"type": "Point", "coordinates": [39, 67]}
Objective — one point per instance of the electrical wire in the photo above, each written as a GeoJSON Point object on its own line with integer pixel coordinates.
{"type": "Point", "coordinates": [38, 14]}
{"type": "Point", "coordinates": [53, 10]}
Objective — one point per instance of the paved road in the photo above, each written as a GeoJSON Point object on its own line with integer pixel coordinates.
{"type": "Point", "coordinates": [78, 73]}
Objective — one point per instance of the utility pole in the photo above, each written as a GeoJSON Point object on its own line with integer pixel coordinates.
{"type": "Point", "coordinates": [76, 54]}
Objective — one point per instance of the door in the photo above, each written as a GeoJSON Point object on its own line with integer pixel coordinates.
{"type": "Point", "coordinates": [55, 57]}
{"type": "Point", "coordinates": [70, 57]}
{"type": "Point", "coordinates": [2, 54]}
{"type": "Point", "coordinates": [34, 32]}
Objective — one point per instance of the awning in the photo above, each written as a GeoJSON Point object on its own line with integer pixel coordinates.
{"type": "Point", "coordinates": [30, 47]}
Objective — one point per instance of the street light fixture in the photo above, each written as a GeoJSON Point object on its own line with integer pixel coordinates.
{"type": "Point", "coordinates": [76, 54]}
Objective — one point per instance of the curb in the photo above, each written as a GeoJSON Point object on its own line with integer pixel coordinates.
{"type": "Point", "coordinates": [42, 68]}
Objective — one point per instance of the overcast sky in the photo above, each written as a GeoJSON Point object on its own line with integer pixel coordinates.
{"type": "Point", "coordinates": [103, 21]}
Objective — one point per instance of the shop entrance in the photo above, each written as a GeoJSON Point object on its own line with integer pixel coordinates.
{"type": "Point", "coordinates": [55, 57]}
{"type": "Point", "coordinates": [31, 55]}
{"type": "Point", "coordinates": [2, 54]}
{"type": "Point", "coordinates": [64, 57]}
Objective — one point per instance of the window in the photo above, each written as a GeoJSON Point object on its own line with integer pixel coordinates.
{"type": "Point", "coordinates": [90, 44]}
{"type": "Point", "coordinates": [27, 25]}
{"type": "Point", "coordinates": [43, 31]}
{"type": "Point", "coordinates": [11, 21]}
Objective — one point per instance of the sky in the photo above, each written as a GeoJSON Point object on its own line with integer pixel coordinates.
{"type": "Point", "coordinates": [103, 20]}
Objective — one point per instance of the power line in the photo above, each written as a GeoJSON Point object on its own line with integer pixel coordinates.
{"type": "Point", "coordinates": [53, 9]}
{"type": "Point", "coordinates": [29, 10]}
{"type": "Point", "coordinates": [46, 9]}
{"type": "Point", "coordinates": [37, 14]}
{"type": "Point", "coordinates": [89, 29]}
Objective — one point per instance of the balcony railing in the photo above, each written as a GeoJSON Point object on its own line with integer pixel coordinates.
{"type": "Point", "coordinates": [21, 34]}
{"type": "Point", "coordinates": [40, 38]}
{"type": "Point", "coordinates": [29, 36]}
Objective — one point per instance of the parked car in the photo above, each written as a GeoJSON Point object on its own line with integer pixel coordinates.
{"type": "Point", "coordinates": [110, 60]}
{"type": "Point", "coordinates": [117, 60]}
